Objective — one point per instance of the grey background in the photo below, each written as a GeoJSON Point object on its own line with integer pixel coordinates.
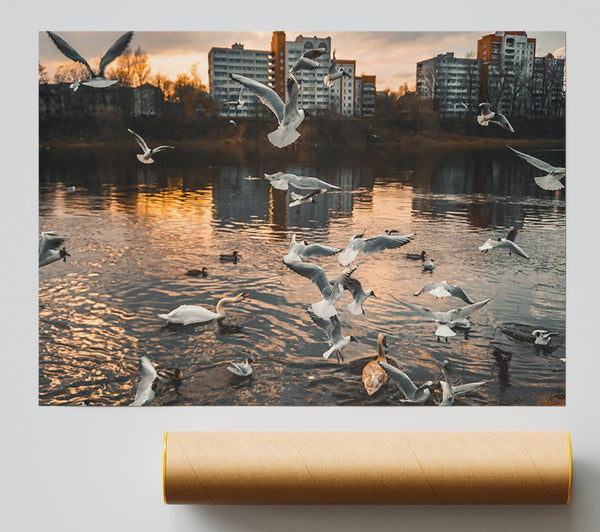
{"type": "Point", "coordinates": [98, 469]}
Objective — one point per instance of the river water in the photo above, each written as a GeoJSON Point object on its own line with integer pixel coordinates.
{"type": "Point", "coordinates": [134, 230]}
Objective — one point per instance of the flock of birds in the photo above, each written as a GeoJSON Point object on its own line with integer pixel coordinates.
{"type": "Point", "coordinates": [323, 312]}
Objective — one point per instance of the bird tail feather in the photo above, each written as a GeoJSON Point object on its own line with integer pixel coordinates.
{"type": "Point", "coordinates": [323, 309]}
{"type": "Point", "coordinates": [355, 308]}
{"type": "Point", "coordinates": [283, 136]}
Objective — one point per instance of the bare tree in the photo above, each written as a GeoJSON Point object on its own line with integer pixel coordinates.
{"type": "Point", "coordinates": [140, 66]}
{"type": "Point", "coordinates": [43, 74]}
{"type": "Point", "coordinates": [71, 72]}
{"type": "Point", "coordinates": [132, 70]}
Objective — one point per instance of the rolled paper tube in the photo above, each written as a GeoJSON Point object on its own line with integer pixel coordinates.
{"type": "Point", "coordinates": [367, 467]}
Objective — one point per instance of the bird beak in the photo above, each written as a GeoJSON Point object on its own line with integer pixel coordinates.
{"type": "Point", "coordinates": [373, 294]}
{"type": "Point", "coordinates": [244, 296]}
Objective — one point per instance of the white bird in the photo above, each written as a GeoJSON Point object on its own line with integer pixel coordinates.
{"type": "Point", "coordinates": [146, 387]}
{"type": "Point", "coordinates": [307, 60]}
{"type": "Point", "coordinates": [411, 393]}
{"type": "Point", "coordinates": [453, 318]}
{"type": "Point", "coordinates": [331, 292]}
{"type": "Point", "coordinates": [299, 199]}
{"type": "Point", "coordinates": [333, 329]}
{"type": "Point", "coordinates": [233, 122]}
{"type": "Point", "coordinates": [335, 72]}
{"type": "Point", "coordinates": [542, 337]}
{"type": "Point", "coordinates": [96, 80]}
{"type": "Point", "coordinates": [146, 157]}
{"type": "Point", "coordinates": [550, 181]}
{"type": "Point", "coordinates": [75, 85]}
{"type": "Point", "coordinates": [449, 391]}
{"type": "Point", "coordinates": [288, 115]}
{"type": "Point", "coordinates": [444, 289]}
{"type": "Point", "coordinates": [188, 314]}
{"type": "Point", "coordinates": [358, 295]}
{"type": "Point", "coordinates": [357, 244]}
{"type": "Point", "coordinates": [373, 375]}
{"type": "Point", "coordinates": [47, 249]}
{"type": "Point", "coordinates": [242, 369]}
{"type": "Point", "coordinates": [429, 266]}
{"type": "Point", "coordinates": [485, 117]}
{"type": "Point", "coordinates": [302, 250]}
{"type": "Point", "coordinates": [281, 181]}
{"type": "Point", "coordinates": [508, 243]}
{"type": "Point", "coordinates": [239, 103]}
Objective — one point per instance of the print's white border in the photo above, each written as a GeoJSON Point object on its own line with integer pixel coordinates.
{"type": "Point", "coordinates": [79, 457]}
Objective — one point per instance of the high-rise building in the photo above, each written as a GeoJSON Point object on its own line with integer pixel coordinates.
{"type": "Point", "coordinates": [451, 81]}
{"type": "Point", "coordinates": [549, 86]}
{"type": "Point", "coordinates": [254, 64]}
{"type": "Point", "coordinates": [507, 61]}
{"type": "Point", "coordinates": [364, 96]}
{"type": "Point", "coordinates": [342, 90]}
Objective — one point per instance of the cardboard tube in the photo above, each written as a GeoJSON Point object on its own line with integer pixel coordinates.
{"type": "Point", "coordinates": [367, 467]}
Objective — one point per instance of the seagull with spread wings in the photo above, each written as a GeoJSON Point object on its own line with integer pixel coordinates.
{"type": "Point", "coordinates": [333, 329]}
{"type": "Point", "coordinates": [485, 117]}
{"type": "Point", "coordinates": [98, 80]}
{"type": "Point", "coordinates": [508, 243]}
{"type": "Point", "coordinates": [450, 391]}
{"type": "Point", "coordinates": [412, 393]}
{"type": "Point", "coordinates": [288, 115]}
{"type": "Point", "coordinates": [307, 60]}
{"type": "Point", "coordinates": [146, 157]}
{"type": "Point", "coordinates": [335, 72]}
{"type": "Point", "coordinates": [550, 181]}
{"type": "Point", "coordinates": [367, 246]}
{"type": "Point", "coordinates": [303, 250]}
{"type": "Point", "coordinates": [444, 289]}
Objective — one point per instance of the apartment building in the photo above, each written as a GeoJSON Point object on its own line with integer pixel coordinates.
{"type": "Point", "coordinates": [549, 86]}
{"type": "Point", "coordinates": [364, 96]}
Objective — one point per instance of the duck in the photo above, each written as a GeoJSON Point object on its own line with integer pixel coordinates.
{"type": "Point", "coordinates": [234, 257]}
{"type": "Point", "coordinates": [243, 369]}
{"type": "Point", "coordinates": [542, 337]}
{"type": "Point", "coordinates": [198, 273]}
{"type": "Point", "coordinates": [417, 256]}
{"type": "Point", "coordinates": [188, 314]}
{"type": "Point", "coordinates": [373, 375]}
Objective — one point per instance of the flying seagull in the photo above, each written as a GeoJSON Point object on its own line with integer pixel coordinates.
{"type": "Point", "coordinates": [239, 103]}
{"type": "Point", "coordinates": [335, 72]}
{"type": "Point", "coordinates": [288, 115]}
{"type": "Point", "coordinates": [146, 157]}
{"type": "Point", "coordinates": [359, 295]}
{"type": "Point", "coordinates": [550, 181]}
{"type": "Point", "coordinates": [333, 329]}
{"type": "Point", "coordinates": [449, 391]}
{"type": "Point", "coordinates": [367, 246]}
{"type": "Point", "coordinates": [299, 199]}
{"type": "Point", "coordinates": [282, 181]}
{"type": "Point", "coordinates": [331, 292]}
{"type": "Point", "coordinates": [485, 117]}
{"type": "Point", "coordinates": [446, 320]}
{"type": "Point", "coordinates": [302, 250]}
{"type": "Point", "coordinates": [508, 242]}
{"type": "Point", "coordinates": [243, 369]}
{"type": "Point", "coordinates": [96, 80]}
{"type": "Point", "coordinates": [411, 393]}
{"type": "Point", "coordinates": [444, 289]}
{"type": "Point", "coordinates": [307, 60]}
{"type": "Point", "coordinates": [47, 249]}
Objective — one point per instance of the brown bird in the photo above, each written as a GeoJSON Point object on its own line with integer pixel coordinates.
{"type": "Point", "coordinates": [374, 376]}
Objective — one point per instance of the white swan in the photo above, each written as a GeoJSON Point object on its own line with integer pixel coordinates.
{"type": "Point", "coordinates": [188, 314]}
{"type": "Point", "coordinates": [146, 157]}
{"type": "Point", "coordinates": [96, 80]}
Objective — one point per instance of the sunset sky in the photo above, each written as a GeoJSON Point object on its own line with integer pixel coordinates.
{"type": "Point", "coordinates": [391, 56]}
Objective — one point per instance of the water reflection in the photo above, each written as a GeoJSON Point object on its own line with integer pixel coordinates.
{"type": "Point", "coordinates": [134, 231]}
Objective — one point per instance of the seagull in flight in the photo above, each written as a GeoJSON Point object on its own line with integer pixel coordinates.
{"type": "Point", "coordinates": [446, 320]}
{"type": "Point", "coordinates": [333, 329]}
{"type": "Point", "coordinates": [411, 393]}
{"type": "Point", "coordinates": [367, 246]}
{"type": "Point", "coordinates": [331, 292]}
{"type": "Point", "coordinates": [307, 60]}
{"type": "Point", "coordinates": [282, 181]}
{"type": "Point", "coordinates": [444, 289]}
{"type": "Point", "coordinates": [299, 199]}
{"type": "Point", "coordinates": [47, 249]}
{"type": "Point", "coordinates": [96, 80]}
{"type": "Point", "coordinates": [239, 103]}
{"type": "Point", "coordinates": [508, 242]}
{"type": "Point", "coordinates": [146, 157]}
{"type": "Point", "coordinates": [485, 117]}
{"type": "Point", "coordinates": [359, 295]}
{"type": "Point", "coordinates": [550, 181]}
{"type": "Point", "coordinates": [335, 72]}
{"type": "Point", "coordinates": [449, 391]}
{"type": "Point", "coordinates": [302, 250]}
{"type": "Point", "coordinates": [288, 115]}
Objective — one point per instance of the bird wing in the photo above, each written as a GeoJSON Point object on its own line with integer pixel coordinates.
{"type": "Point", "coordinates": [447, 395]}
{"type": "Point", "coordinates": [304, 63]}
{"type": "Point", "coordinates": [439, 291]}
{"type": "Point", "coordinates": [50, 240]}
{"type": "Point", "coordinates": [423, 312]}
{"type": "Point", "coordinates": [140, 140]}
{"type": "Point", "coordinates": [466, 311]}
{"type": "Point", "coordinates": [402, 380]}
{"type": "Point", "coordinates": [427, 288]}
{"type": "Point", "coordinates": [162, 148]}
{"type": "Point", "coordinates": [514, 248]}
{"type": "Point", "coordinates": [69, 51]}
{"type": "Point", "coordinates": [291, 105]}
{"type": "Point", "coordinates": [381, 242]}
{"type": "Point", "coordinates": [265, 94]}
{"type": "Point", "coordinates": [333, 66]}
{"type": "Point", "coordinates": [145, 386]}
{"type": "Point", "coordinates": [327, 324]}
{"type": "Point", "coordinates": [354, 287]}
{"type": "Point", "coordinates": [502, 121]}
{"type": "Point", "coordinates": [549, 182]}
{"type": "Point", "coordinates": [237, 369]}
{"type": "Point", "coordinates": [295, 196]}
{"type": "Point", "coordinates": [319, 250]}
{"type": "Point", "coordinates": [313, 272]}
{"type": "Point", "coordinates": [484, 108]}
{"type": "Point", "coordinates": [457, 291]}
{"type": "Point", "coordinates": [466, 388]}
{"type": "Point", "coordinates": [314, 53]}
{"type": "Point", "coordinates": [115, 51]}
{"type": "Point", "coordinates": [541, 165]}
